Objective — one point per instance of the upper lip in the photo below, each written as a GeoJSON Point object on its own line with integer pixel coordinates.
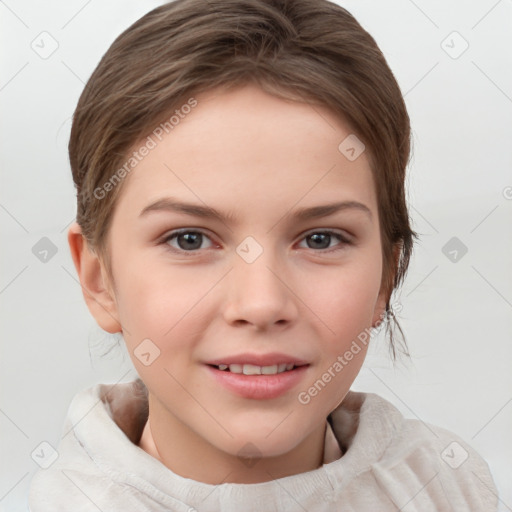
{"type": "Point", "coordinates": [270, 359]}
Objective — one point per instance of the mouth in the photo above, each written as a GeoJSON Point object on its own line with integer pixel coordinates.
{"type": "Point", "coordinates": [259, 377]}
{"type": "Point", "coordinates": [252, 369]}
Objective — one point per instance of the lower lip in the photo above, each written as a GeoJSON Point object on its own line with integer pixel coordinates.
{"type": "Point", "coordinates": [259, 387]}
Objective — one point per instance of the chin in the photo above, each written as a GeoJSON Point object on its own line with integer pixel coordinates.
{"type": "Point", "coordinates": [253, 441]}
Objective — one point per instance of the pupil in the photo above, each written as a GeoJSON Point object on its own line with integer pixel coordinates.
{"type": "Point", "coordinates": [190, 238]}
{"type": "Point", "coordinates": [322, 239]}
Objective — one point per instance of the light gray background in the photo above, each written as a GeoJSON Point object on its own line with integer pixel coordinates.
{"type": "Point", "coordinates": [457, 315]}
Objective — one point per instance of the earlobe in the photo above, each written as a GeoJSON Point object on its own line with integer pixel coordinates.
{"type": "Point", "coordinates": [95, 288]}
{"type": "Point", "coordinates": [380, 309]}
{"type": "Point", "coordinates": [386, 290]}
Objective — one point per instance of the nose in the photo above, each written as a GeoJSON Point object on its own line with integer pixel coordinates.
{"type": "Point", "coordinates": [260, 294]}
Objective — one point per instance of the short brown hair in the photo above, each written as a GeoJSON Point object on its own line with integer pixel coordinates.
{"type": "Point", "coordinates": [308, 50]}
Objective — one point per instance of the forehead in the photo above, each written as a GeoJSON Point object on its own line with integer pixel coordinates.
{"type": "Point", "coordinates": [245, 146]}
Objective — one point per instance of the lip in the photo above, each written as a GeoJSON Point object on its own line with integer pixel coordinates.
{"type": "Point", "coordinates": [269, 359]}
{"type": "Point", "coordinates": [259, 387]}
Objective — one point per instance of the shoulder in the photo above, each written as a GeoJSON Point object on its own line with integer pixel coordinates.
{"type": "Point", "coordinates": [424, 462]}
{"type": "Point", "coordinates": [76, 482]}
{"type": "Point", "coordinates": [57, 488]}
{"type": "Point", "coordinates": [81, 476]}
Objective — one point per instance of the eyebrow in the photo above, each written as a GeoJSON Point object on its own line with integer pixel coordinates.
{"type": "Point", "coordinates": [313, 212]}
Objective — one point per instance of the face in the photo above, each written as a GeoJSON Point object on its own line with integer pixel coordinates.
{"type": "Point", "coordinates": [272, 281]}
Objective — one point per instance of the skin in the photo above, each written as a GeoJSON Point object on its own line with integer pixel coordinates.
{"type": "Point", "coordinates": [257, 158]}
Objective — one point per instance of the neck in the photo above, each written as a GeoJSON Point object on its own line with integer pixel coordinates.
{"type": "Point", "coordinates": [187, 454]}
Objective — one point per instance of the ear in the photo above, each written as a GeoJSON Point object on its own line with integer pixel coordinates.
{"type": "Point", "coordinates": [380, 308]}
{"type": "Point", "coordinates": [93, 278]}
{"type": "Point", "coordinates": [386, 289]}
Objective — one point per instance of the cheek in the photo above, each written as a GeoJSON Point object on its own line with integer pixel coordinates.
{"type": "Point", "coordinates": [158, 302]}
{"type": "Point", "coordinates": [151, 309]}
{"type": "Point", "coordinates": [344, 298]}
{"type": "Point", "coordinates": [345, 302]}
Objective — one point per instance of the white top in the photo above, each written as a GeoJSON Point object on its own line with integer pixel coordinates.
{"type": "Point", "coordinates": [381, 462]}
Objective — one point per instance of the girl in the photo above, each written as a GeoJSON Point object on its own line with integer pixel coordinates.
{"type": "Point", "coordinates": [242, 221]}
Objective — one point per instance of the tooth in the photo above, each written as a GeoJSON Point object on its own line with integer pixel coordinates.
{"type": "Point", "coordinates": [250, 369]}
{"type": "Point", "coordinates": [223, 367]}
{"type": "Point", "coordinates": [281, 368]}
{"type": "Point", "coordinates": [235, 368]}
{"type": "Point", "coordinates": [269, 370]}
{"type": "Point", "coordinates": [289, 366]}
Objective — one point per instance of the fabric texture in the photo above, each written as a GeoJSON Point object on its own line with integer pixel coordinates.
{"type": "Point", "coordinates": [374, 460]}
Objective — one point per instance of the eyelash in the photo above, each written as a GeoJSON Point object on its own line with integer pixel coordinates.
{"type": "Point", "coordinates": [174, 234]}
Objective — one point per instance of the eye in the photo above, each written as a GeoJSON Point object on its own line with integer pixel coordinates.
{"type": "Point", "coordinates": [322, 240]}
{"type": "Point", "coordinates": [186, 240]}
